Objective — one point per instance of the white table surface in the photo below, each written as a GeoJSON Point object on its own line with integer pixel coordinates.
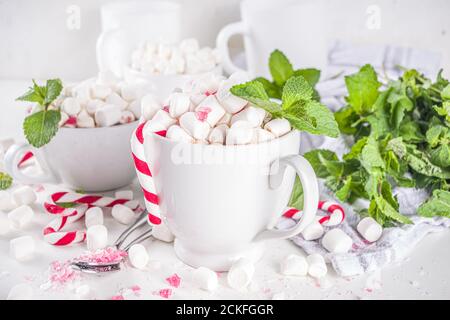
{"type": "Point", "coordinates": [423, 275]}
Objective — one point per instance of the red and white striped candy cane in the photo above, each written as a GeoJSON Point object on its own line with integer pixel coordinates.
{"type": "Point", "coordinates": [92, 200]}
{"type": "Point", "coordinates": [52, 232]}
{"type": "Point", "coordinates": [143, 172]}
{"type": "Point", "coordinates": [335, 213]}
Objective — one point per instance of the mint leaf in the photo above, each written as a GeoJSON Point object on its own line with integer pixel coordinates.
{"type": "Point", "coordinates": [441, 156]}
{"type": "Point", "coordinates": [445, 94]}
{"type": "Point", "coordinates": [32, 95]}
{"type": "Point", "coordinates": [344, 192]}
{"type": "Point", "coordinates": [362, 89]}
{"type": "Point", "coordinates": [437, 205]}
{"type": "Point", "coordinates": [5, 181]}
{"type": "Point", "coordinates": [280, 67]}
{"type": "Point", "coordinates": [40, 127]}
{"type": "Point", "coordinates": [53, 89]}
{"type": "Point", "coordinates": [271, 89]}
{"type": "Point", "coordinates": [296, 200]}
{"type": "Point", "coordinates": [370, 155]}
{"type": "Point", "coordinates": [311, 75]}
{"type": "Point", "coordinates": [254, 92]}
{"type": "Point", "coordinates": [345, 119]}
{"type": "Point", "coordinates": [390, 212]}
{"type": "Point", "coordinates": [296, 89]}
{"type": "Point", "coordinates": [320, 161]}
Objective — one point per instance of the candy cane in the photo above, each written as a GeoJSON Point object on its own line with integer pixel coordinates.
{"type": "Point", "coordinates": [92, 200]}
{"type": "Point", "coordinates": [335, 213]}
{"type": "Point", "coordinates": [27, 156]}
{"type": "Point", "coordinates": [143, 172]}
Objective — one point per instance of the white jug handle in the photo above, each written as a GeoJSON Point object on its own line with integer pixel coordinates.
{"type": "Point", "coordinates": [222, 45]}
{"type": "Point", "coordinates": [310, 186]}
{"type": "Point", "coordinates": [12, 160]}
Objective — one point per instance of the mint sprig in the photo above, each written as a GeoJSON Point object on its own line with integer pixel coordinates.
{"type": "Point", "coordinates": [297, 106]}
{"type": "Point", "coordinates": [39, 128]}
{"type": "Point", "coordinates": [5, 181]}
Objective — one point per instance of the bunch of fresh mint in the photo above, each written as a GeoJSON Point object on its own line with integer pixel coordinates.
{"type": "Point", "coordinates": [41, 127]}
{"type": "Point", "coordinates": [299, 101]}
{"type": "Point", "coordinates": [402, 138]}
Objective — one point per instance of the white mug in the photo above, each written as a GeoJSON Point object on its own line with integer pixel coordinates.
{"type": "Point", "coordinates": [90, 159]}
{"type": "Point", "coordinates": [221, 202]}
{"type": "Point", "coordinates": [126, 24]}
{"type": "Point", "coordinates": [287, 25]}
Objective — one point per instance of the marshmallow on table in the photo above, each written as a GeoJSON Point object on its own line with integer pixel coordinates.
{"type": "Point", "coordinates": [24, 195]}
{"type": "Point", "coordinates": [263, 135]}
{"type": "Point", "coordinates": [97, 237]}
{"type": "Point", "coordinates": [21, 291]}
{"type": "Point", "coordinates": [114, 99]}
{"type": "Point", "coordinates": [205, 279]}
{"type": "Point", "coordinates": [211, 109]}
{"type": "Point", "coordinates": [179, 103]}
{"type": "Point", "coordinates": [138, 256]}
{"type": "Point", "coordinates": [108, 115]}
{"type": "Point", "coordinates": [294, 265]}
{"type": "Point", "coordinates": [5, 225]}
{"type": "Point", "coordinates": [22, 248]}
{"type": "Point", "coordinates": [317, 268]}
{"type": "Point", "coordinates": [124, 194]}
{"type": "Point", "coordinates": [176, 133]}
{"type": "Point", "coordinates": [278, 127]}
{"type": "Point", "coordinates": [122, 214]}
{"type": "Point", "coordinates": [162, 232]}
{"type": "Point", "coordinates": [21, 216]}
{"type": "Point", "coordinates": [240, 274]}
{"type": "Point", "coordinates": [93, 216]}
{"type": "Point", "coordinates": [71, 106]}
{"type": "Point", "coordinates": [164, 119]}
{"type": "Point", "coordinates": [337, 241]}
{"type": "Point", "coordinates": [198, 129]}
{"type": "Point", "coordinates": [7, 202]}
{"type": "Point", "coordinates": [100, 91]}
{"type": "Point", "coordinates": [369, 229]}
{"type": "Point", "coordinates": [218, 134]}
{"type": "Point", "coordinates": [127, 117]}
{"type": "Point", "coordinates": [135, 107]}
{"type": "Point", "coordinates": [313, 231]}
{"type": "Point", "coordinates": [84, 120]}
{"type": "Point", "coordinates": [253, 115]}
{"type": "Point", "coordinates": [149, 106]}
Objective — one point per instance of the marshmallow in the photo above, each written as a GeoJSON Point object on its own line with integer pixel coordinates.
{"type": "Point", "coordinates": [149, 106]}
{"type": "Point", "coordinates": [127, 117]}
{"type": "Point", "coordinates": [196, 128]}
{"type": "Point", "coordinates": [369, 229]}
{"type": "Point", "coordinates": [7, 202]}
{"type": "Point", "coordinates": [93, 105]}
{"type": "Point", "coordinates": [124, 194]}
{"type": "Point", "coordinates": [83, 292]}
{"type": "Point", "coordinates": [294, 265]}
{"type": "Point", "coordinates": [135, 107]}
{"type": "Point", "coordinates": [240, 274]}
{"type": "Point", "coordinates": [176, 133]}
{"type": "Point", "coordinates": [218, 134]}
{"type": "Point", "coordinates": [97, 237]}
{"type": "Point", "coordinates": [164, 51]}
{"type": "Point", "coordinates": [162, 232]}
{"type": "Point", "coordinates": [317, 268]}
{"type": "Point", "coordinates": [82, 92]}
{"type": "Point", "coordinates": [24, 195]}
{"type": "Point", "coordinates": [251, 114]}
{"type": "Point", "coordinates": [164, 119]}
{"type": "Point", "coordinates": [240, 135]}
{"type": "Point", "coordinates": [230, 102]}
{"type": "Point", "coordinates": [100, 91]}
{"type": "Point", "coordinates": [313, 231]}
{"type": "Point", "coordinates": [278, 127]}
{"type": "Point", "coordinates": [108, 116]}
{"type": "Point", "coordinates": [179, 103]}
{"type": "Point", "coordinates": [205, 279]}
{"type": "Point", "coordinates": [138, 256]}
{"type": "Point", "coordinates": [131, 91]}
{"type": "Point", "coordinates": [84, 120]}
{"type": "Point", "coordinates": [64, 118]}
{"type": "Point", "coordinates": [122, 214]}
{"type": "Point", "coordinates": [21, 291]}
{"type": "Point", "coordinates": [263, 135]}
{"type": "Point", "coordinates": [21, 216]}
{"type": "Point", "coordinates": [211, 109]}
{"type": "Point", "coordinates": [22, 248]}
{"type": "Point", "coordinates": [114, 99]}
{"type": "Point", "coordinates": [5, 225]}
{"type": "Point", "coordinates": [204, 85]}
{"type": "Point", "coordinates": [337, 241]}
{"type": "Point", "coordinates": [189, 45]}
{"type": "Point", "coordinates": [71, 106]}
{"type": "Point", "coordinates": [226, 119]}
{"type": "Point", "coordinates": [93, 216]}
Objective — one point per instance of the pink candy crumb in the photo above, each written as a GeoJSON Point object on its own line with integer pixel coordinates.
{"type": "Point", "coordinates": [202, 113]}
{"type": "Point", "coordinates": [174, 280]}
{"type": "Point", "coordinates": [165, 293]}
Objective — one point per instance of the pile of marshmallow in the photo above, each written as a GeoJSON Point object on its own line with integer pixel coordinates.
{"type": "Point", "coordinates": [206, 112]}
{"type": "Point", "coordinates": [184, 58]}
{"type": "Point", "coordinates": [103, 101]}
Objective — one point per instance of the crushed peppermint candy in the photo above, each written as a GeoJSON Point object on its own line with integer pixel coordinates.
{"type": "Point", "coordinates": [164, 293]}
{"type": "Point", "coordinates": [174, 280]}
{"type": "Point", "coordinates": [61, 273]}
{"type": "Point", "coordinates": [107, 255]}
